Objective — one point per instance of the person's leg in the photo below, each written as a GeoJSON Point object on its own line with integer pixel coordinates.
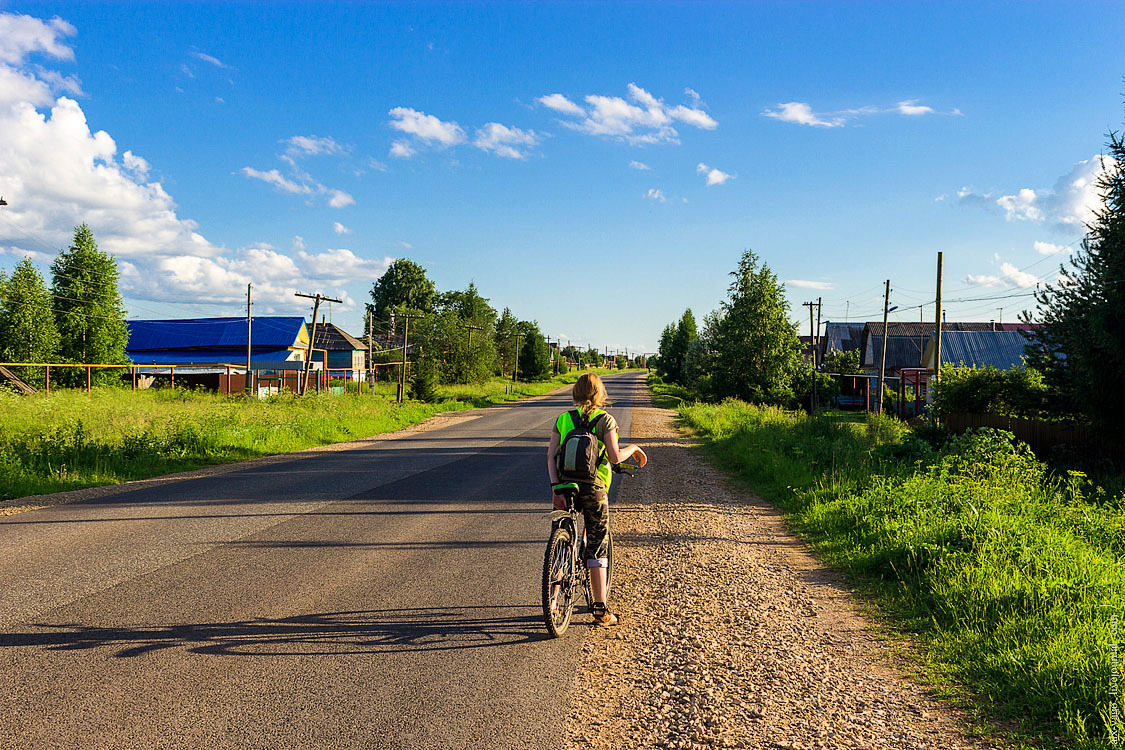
{"type": "Point", "coordinates": [595, 509]}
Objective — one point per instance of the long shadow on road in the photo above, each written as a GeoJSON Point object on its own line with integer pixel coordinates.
{"type": "Point", "coordinates": [327, 633]}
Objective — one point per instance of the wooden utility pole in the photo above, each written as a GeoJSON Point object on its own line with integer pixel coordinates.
{"type": "Point", "coordinates": [317, 298]}
{"type": "Point", "coordinates": [816, 337]}
{"type": "Point", "coordinates": [883, 360]}
{"type": "Point", "coordinates": [370, 357]}
{"type": "Point", "coordinates": [812, 338]}
{"type": "Point", "coordinates": [937, 333]}
{"type": "Point", "coordinates": [249, 377]}
{"type": "Point", "coordinates": [405, 344]}
{"type": "Point", "coordinates": [516, 358]}
{"type": "Point", "coordinates": [471, 329]}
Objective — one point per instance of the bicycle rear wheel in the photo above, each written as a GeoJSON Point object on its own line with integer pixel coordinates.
{"type": "Point", "coordinates": [558, 579]}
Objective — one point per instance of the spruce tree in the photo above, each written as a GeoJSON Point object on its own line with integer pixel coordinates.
{"type": "Point", "coordinates": [756, 349]}
{"type": "Point", "coordinates": [89, 312]}
{"type": "Point", "coordinates": [535, 356]}
{"type": "Point", "coordinates": [27, 323]}
{"type": "Point", "coordinates": [1081, 349]}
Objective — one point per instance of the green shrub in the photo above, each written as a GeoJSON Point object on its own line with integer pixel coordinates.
{"type": "Point", "coordinates": [1019, 392]}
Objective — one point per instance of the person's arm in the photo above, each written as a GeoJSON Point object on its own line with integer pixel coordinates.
{"type": "Point", "coordinates": [618, 454]}
{"type": "Point", "coordinates": [557, 500]}
{"type": "Point", "coordinates": [552, 449]}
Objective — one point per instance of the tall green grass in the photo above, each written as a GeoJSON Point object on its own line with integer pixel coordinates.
{"type": "Point", "coordinates": [1008, 576]}
{"type": "Point", "coordinates": [72, 439]}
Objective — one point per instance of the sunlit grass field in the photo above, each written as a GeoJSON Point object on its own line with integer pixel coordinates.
{"type": "Point", "coordinates": [1006, 575]}
{"type": "Point", "coordinates": [73, 439]}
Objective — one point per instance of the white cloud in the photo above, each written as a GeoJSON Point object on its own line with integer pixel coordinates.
{"type": "Point", "coordinates": [405, 245]}
{"type": "Point", "coordinates": [340, 266]}
{"type": "Point", "coordinates": [1069, 206]}
{"type": "Point", "coordinates": [692, 93]}
{"type": "Point", "coordinates": [802, 113]}
{"type": "Point", "coordinates": [401, 149]}
{"type": "Point", "coordinates": [696, 117]}
{"type": "Point", "coordinates": [311, 145]}
{"type": "Point", "coordinates": [1049, 248]}
{"type": "Point", "coordinates": [275, 178]}
{"type": "Point", "coordinates": [639, 165]}
{"type": "Point", "coordinates": [426, 128]}
{"type": "Point", "coordinates": [655, 195]}
{"type": "Point", "coordinates": [511, 143]}
{"type": "Point", "coordinates": [714, 176]}
{"type": "Point", "coordinates": [639, 120]}
{"type": "Point", "coordinates": [22, 35]}
{"type": "Point", "coordinates": [912, 108]}
{"type": "Point", "coordinates": [298, 181]}
{"type": "Point", "coordinates": [135, 164]}
{"type": "Point", "coordinates": [186, 71]}
{"type": "Point", "coordinates": [209, 59]}
{"type": "Point", "coordinates": [1020, 206]}
{"type": "Point", "coordinates": [802, 284]}
{"type": "Point", "coordinates": [340, 199]}
{"type": "Point", "coordinates": [1009, 276]}
{"type": "Point", "coordinates": [339, 228]}
{"type": "Point", "coordinates": [560, 103]}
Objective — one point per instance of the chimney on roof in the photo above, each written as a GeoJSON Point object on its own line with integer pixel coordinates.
{"type": "Point", "coordinates": [993, 322]}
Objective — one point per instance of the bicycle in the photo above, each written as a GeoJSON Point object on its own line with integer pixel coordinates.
{"type": "Point", "coordinates": [566, 549]}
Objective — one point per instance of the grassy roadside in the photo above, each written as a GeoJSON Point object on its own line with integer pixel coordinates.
{"type": "Point", "coordinates": [1006, 576]}
{"type": "Point", "coordinates": [74, 440]}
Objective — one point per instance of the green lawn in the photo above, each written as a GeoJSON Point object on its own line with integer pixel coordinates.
{"type": "Point", "coordinates": [1007, 576]}
{"type": "Point", "coordinates": [73, 440]}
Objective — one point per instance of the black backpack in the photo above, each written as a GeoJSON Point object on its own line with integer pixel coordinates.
{"type": "Point", "coordinates": [579, 453]}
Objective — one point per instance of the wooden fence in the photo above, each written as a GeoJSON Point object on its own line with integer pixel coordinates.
{"type": "Point", "coordinates": [1041, 436]}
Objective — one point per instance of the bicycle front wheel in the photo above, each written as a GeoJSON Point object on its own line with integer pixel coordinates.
{"type": "Point", "coordinates": [558, 581]}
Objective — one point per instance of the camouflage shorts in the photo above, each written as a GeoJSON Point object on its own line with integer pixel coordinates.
{"type": "Point", "coordinates": [594, 504]}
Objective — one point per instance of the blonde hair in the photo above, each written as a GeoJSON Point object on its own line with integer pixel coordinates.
{"type": "Point", "coordinates": [589, 393]}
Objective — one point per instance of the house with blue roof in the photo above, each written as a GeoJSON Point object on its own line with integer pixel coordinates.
{"type": "Point", "coordinates": [216, 341]}
{"type": "Point", "coordinates": [211, 352]}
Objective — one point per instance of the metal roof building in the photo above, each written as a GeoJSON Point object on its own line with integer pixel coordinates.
{"type": "Point", "coordinates": [1000, 349]}
{"type": "Point", "coordinates": [842, 337]}
{"type": "Point", "coordinates": [216, 340]}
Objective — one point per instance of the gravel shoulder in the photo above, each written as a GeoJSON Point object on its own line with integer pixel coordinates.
{"type": "Point", "coordinates": [733, 635]}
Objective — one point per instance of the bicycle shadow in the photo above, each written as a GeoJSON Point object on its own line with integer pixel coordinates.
{"type": "Point", "coordinates": [325, 633]}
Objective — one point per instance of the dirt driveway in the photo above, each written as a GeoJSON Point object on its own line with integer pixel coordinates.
{"type": "Point", "coordinates": [733, 635]}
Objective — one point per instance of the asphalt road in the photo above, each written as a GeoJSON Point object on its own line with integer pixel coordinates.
{"type": "Point", "coordinates": [377, 597]}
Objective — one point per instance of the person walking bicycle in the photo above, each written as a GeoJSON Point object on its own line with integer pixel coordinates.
{"type": "Point", "coordinates": [582, 451]}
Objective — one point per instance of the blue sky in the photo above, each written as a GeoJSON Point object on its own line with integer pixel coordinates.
{"type": "Point", "coordinates": [596, 167]}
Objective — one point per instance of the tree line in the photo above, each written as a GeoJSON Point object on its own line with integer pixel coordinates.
{"type": "Point", "coordinates": [458, 336]}
{"type": "Point", "coordinates": [79, 319]}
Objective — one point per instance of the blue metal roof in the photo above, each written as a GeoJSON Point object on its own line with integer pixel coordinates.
{"type": "Point", "coordinates": [231, 355]}
{"type": "Point", "coordinates": [1000, 349]}
{"type": "Point", "coordinates": [206, 333]}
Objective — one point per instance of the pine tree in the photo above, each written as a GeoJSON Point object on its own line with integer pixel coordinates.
{"type": "Point", "coordinates": [90, 314]}
{"type": "Point", "coordinates": [27, 324]}
{"type": "Point", "coordinates": [535, 358]}
{"type": "Point", "coordinates": [756, 349]}
{"type": "Point", "coordinates": [682, 341]}
{"type": "Point", "coordinates": [1081, 349]}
